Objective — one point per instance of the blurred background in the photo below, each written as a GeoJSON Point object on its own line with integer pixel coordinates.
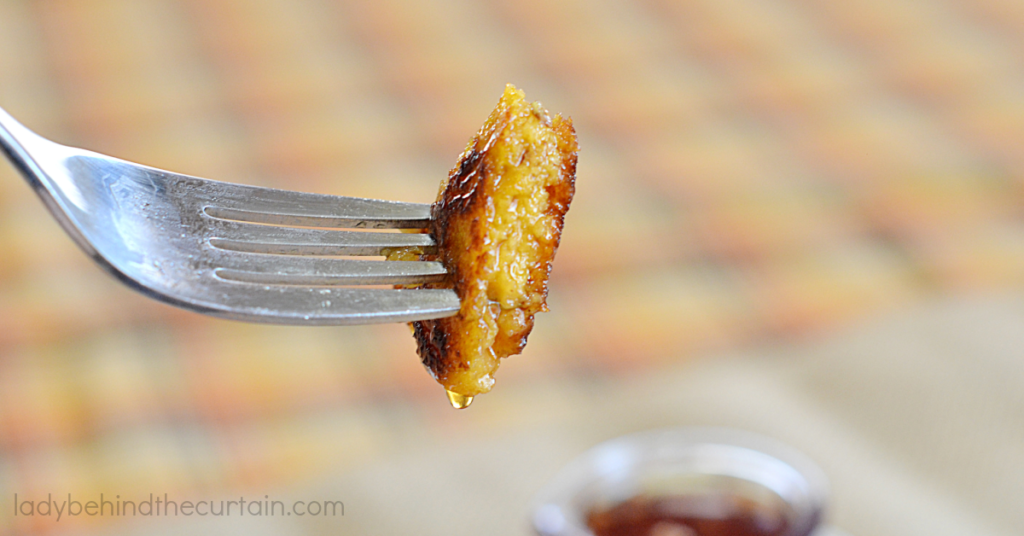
{"type": "Point", "coordinates": [804, 218]}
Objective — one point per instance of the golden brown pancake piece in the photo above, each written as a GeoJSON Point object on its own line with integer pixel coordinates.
{"type": "Point", "coordinates": [497, 222]}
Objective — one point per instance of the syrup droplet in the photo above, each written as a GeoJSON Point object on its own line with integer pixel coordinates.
{"type": "Point", "coordinates": [459, 401]}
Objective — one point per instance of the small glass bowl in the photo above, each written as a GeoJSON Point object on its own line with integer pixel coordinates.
{"type": "Point", "coordinates": [691, 461]}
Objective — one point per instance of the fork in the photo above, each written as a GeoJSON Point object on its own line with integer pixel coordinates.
{"type": "Point", "coordinates": [230, 250]}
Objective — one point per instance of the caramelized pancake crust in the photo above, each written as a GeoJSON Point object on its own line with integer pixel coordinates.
{"type": "Point", "coordinates": [497, 222]}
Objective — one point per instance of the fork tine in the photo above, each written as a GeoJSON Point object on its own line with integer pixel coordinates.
{"type": "Point", "coordinates": [335, 306]}
{"type": "Point", "coordinates": [254, 238]}
{"type": "Point", "coordinates": [315, 271]}
{"type": "Point", "coordinates": [238, 202]}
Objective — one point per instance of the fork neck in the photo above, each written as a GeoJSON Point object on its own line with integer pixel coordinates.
{"type": "Point", "coordinates": [14, 139]}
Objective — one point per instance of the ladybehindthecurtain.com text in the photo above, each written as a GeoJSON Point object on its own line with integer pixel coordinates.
{"type": "Point", "coordinates": [157, 506]}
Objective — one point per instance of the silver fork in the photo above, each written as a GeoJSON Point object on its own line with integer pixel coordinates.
{"type": "Point", "coordinates": [233, 251]}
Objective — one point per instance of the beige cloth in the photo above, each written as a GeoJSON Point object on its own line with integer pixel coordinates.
{"type": "Point", "coordinates": [917, 418]}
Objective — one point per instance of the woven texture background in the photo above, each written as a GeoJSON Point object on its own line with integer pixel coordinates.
{"type": "Point", "coordinates": [749, 172]}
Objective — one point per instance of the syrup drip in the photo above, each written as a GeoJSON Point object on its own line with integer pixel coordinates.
{"type": "Point", "coordinates": [459, 401]}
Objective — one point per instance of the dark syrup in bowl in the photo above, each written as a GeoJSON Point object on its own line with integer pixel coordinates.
{"type": "Point", "coordinates": [717, 514]}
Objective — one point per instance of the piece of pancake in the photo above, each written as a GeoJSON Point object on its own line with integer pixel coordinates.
{"type": "Point", "coordinates": [497, 222]}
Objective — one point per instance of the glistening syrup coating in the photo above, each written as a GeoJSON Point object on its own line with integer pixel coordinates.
{"type": "Point", "coordinates": [497, 223]}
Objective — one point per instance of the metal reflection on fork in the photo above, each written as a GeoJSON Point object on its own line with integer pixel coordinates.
{"type": "Point", "coordinates": [229, 250]}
